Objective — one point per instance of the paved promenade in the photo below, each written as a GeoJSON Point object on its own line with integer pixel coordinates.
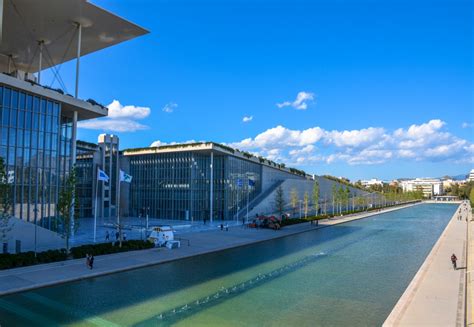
{"type": "Point", "coordinates": [436, 295]}
{"type": "Point", "coordinates": [26, 278]}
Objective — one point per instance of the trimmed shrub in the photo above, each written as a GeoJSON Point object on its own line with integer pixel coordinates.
{"type": "Point", "coordinates": [108, 248]}
{"type": "Point", "coordinates": [9, 260]}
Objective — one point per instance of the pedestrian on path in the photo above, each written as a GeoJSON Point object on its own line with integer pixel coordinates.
{"type": "Point", "coordinates": [91, 261]}
{"type": "Point", "coordinates": [107, 235]}
{"type": "Point", "coordinates": [453, 261]}
{"type": "Point", "coordinates": [87, 260]}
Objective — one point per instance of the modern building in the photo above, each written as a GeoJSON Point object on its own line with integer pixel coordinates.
{"type": "Point", "coordinates": [90, 157]}
{"type": "Point", "coordinates": [429, 186]}
{"type": "Point", "coordinates": [38, 123]}
{"type": "Point", "coordinates": [199, 181]}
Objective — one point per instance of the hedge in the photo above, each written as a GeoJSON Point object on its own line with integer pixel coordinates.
{"type": "Point", "coordinates": [9, 260]}
{"type": "Point", "coordinates": [108, 248]}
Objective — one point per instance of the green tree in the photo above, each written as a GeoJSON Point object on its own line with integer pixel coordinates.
{"type": "Point", "coordinates": [67, 197]}
{"type": "Point", "coordinates": [306, 204]}
{"type": "Point", "coordinates": [294, 199]}
{"type": "Point", "coordinates": [347, 197]}
{"type": "Point", "coordinates": [471, 197]}
{"type": "Point", "coordinates": [334, 197]}
{"type": "Point", "coordinates": [279, 202]}
{"type": "Point", "coordinates": [340, 197]}
{"type": "Point", "coordinates": [5, 204]}
{"type": "Point", "coordinates": [315, 197]}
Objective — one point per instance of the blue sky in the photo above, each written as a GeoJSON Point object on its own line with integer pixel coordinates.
{"type": "Point", "coordinates": [352, 88]}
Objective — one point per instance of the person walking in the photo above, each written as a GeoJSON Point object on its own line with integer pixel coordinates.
{"type": "Point", "coordinates": [87, 260]}
{"type": "Point", "coordinates": [91, 261]}
{"type": "Point", "coordinates": [453, 261]}
{"type": "Point", "coordinates": [107, 236]}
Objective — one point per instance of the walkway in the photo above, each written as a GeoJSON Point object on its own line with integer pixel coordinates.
{"type": "Point", "coordinates": [436, 295]}
{"type": "Point", "coordinates": [26, 278]}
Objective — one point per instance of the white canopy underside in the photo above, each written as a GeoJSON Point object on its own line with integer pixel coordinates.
{"type": "Point", "coordinates": [26, 22]}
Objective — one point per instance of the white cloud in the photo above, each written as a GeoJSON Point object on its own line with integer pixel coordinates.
{"type": "Point", "coordinates": [467, 125]}
{"type": "Point", "coordinates": [247, 119]}
{"type": "Point", "coordinates": [281, 137]}
{"type": "Point", "coordinates": [117, 110]}
{"type": "Point", "coordinates": [170, 107]}
{"type": "Point", "coordinates": [355, 138]}
{"type": "Point", "coordinates": [301, 101]}
{"type": "Point", "coordinates": [120, 119]}
{"type": "Point", "coordinates": [372, 145]}
{"type": "Point", "coordinates": [160, 143]}
{"type": "Point", "coordinates": [112, 125]}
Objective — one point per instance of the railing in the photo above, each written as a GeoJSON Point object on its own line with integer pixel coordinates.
{"type": "Point", "coordinates": [184, 239]}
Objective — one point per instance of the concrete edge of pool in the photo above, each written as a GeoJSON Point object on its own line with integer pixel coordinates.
{"type": "Point", "coordinates": [436, 294]}
{"type": "Point", "coordinates": [39, 276]}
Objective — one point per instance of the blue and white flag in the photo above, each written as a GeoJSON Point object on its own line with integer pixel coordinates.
{"type": "Point", "coordinates": [102, 176]}
{"type": "Point", "coordinates": [239, 182]}
{"type": "Point", "coordinates": [251, 183]}
{"type": "Point", "coordinates": [125, 177]}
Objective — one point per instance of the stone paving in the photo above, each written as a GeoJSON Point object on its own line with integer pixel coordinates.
{"type": "Point", "coordinates": [436, 295]}
{"type": "Point", "coordinates": [26, 278]}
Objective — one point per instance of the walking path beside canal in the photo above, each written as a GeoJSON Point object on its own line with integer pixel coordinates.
{"type": "Point", "coordinates": [436, 295]}
{"type": "Point", "coordinates": [27, 278]}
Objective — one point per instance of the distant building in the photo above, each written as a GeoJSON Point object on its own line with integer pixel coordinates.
{"type": "Point", "coordinates": [448, 183]}
{"type": "Point", "coordinates": [470, 178]}
{"type": "Point", "coordinates": [429, 186]}
{"type": "Point", "coordinates": [90, 157]}
{"type": "Point", "coordinates": [371, 182]}
{"type": "Point", "coordinates": [394, 183]}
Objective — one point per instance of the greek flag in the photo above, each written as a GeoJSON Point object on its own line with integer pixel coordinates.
{"type": "Point", "coordinates": [101, 175]}
{"type": "Point", "coordinates": [125, 177]}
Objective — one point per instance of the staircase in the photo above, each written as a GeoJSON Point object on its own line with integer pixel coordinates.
{"type": "Point", "coordinates": [259, 198]}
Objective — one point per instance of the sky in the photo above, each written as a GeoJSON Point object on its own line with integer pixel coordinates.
{"type": "Point", "coordinates": [355, 88]}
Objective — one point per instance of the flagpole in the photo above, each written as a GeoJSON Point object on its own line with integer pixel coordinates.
{"type": "Point", "coordinates": [118, 208]}
{"type": "Point", "coordinates": [248, 191]}
{"type": "Point", "coordinates": [95, 205]}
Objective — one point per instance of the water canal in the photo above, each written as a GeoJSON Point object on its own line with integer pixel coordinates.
{"type": "Point", "coordinates": [348, 274]}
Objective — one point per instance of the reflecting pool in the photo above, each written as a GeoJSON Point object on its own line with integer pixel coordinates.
{"type": "Point", "coordinates": [348, 274]}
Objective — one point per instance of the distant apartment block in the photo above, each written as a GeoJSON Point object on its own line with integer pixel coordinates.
{"type": "Point", "coordinates": [429, 186]}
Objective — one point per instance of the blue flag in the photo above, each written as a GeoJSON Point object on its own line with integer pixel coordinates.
{"type": "Point", "coordinates": [251, 182]}
{"type": "Point", "coordinates": [102, 176]}
{"type": "Point", "coordinates": [239, 182]}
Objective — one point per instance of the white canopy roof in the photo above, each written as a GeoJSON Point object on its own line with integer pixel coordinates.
{"type": "Point", "coordinates": [26, 22]}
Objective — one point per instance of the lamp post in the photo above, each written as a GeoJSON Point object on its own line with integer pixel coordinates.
{"type": "Point", "coordinates": [147, 211]}
{"type": "Point", "coordinates": [36, 214]}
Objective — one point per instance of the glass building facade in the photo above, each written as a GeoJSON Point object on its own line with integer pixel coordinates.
{"type": "Point", "coordinates": [177, 185]}
{"type": "Point", "coordinates": [85, 181]}
{"type": "Point", "coordinates": [36, 147]}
